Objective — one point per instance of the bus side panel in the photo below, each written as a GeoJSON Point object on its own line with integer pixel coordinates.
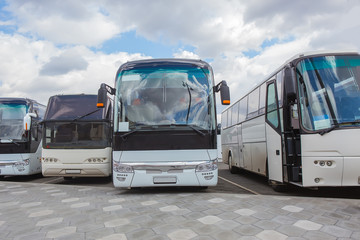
{"type": "Point", "coordinates": [240, 161]}
{"type": "Point", "coordinates": [332, 159]}
{"type": "Point", "coordinates": [253, 132]}
{"type": "Point", "coordinates": [225, 144]}
{"type": "Point", "coordinates": [35, 162]}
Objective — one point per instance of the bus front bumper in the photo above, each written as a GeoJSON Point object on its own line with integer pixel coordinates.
{"type": "Point", "coordinates": [127, 176]}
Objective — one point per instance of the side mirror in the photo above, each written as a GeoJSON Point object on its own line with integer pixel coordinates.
{"type": "Point", "coordinates": [27, 120]}
{"type": "Point", "coordinates": [290, 84]}
{"type": "Point", "coordinates": [102, 95]}
{"type": "Point", "coordinates": [224, 92]}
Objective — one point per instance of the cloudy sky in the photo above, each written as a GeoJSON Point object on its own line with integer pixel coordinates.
{"type": "Point", "coordinates": [50, 47]}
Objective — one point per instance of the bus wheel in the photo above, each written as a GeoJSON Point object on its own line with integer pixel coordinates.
{"type": "Point", "coordinates": [232, 169]}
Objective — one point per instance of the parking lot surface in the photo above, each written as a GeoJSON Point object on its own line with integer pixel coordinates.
{"type": "Point", "coordinates": [57, 211]}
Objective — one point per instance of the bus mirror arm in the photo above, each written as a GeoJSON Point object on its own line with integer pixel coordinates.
{"type": "Point", "coordinates": [224, 92]}
{"type": "Point", "coordinates": [102, 94]}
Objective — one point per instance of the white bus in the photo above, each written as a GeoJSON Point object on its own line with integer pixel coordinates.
{"type": "Point", "coordinates": [164, 123]}
{"type": "Point", "coordinates": [76, 137]}
{"type": "Point", "coordinates": [20, 148]}
{"type": "Point", "coordinates": [301, 125]}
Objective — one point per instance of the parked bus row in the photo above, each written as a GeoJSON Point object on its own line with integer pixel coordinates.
{"type": "Point", "coordinates": [158, 129]}
{"type": "Point", "coordinates": [300, 125]}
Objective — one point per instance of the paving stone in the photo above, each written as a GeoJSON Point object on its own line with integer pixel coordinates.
{"type": "Point", "coordinates": [49, 221]}
{"type": "Point", "coordinates": [140, 234]}
{"type": "Point", "coordinates": [169, 208]}
{"type": "Point", "coordinates": [307, 225]}
{"type": "Point", "coordinates": [336, 231]}
{"type": "Point", "coordinates": [209, 219]}
{"type": "Point", "coordinates": [182, 234]}
{"type": "Point", "coordinates": [311, 235]}
{"type": "Point", "coordinates": [41, 213]}
{"type": "Point", "coordinates": [267, 225]}
{"type": "Point", "coordinates": [69, 200]}
{"type": "Point", "coordinates": [217, 200]}
{"type": "Point", "coordinates": [112, 208]}
{"type": "Point", "coordinates": [248, 230]}
{"type": "Point", "coordinates": [271, 235]}
{"type": "Point", "coordinates": [117, 236]}
{"type": "Point", "coordinates": [292, 208]}
{"type": "Point", "coordinates": [291, 231]}
{"type": "Point", "coordinates": [245, 212]}
{"type": "Point", "coordinates": [116, 222]}
{"type": "Point", "coordinates": [61, 232]}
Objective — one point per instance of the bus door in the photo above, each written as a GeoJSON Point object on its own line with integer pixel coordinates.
{"type": "Point", "coordinates": [273, 134]}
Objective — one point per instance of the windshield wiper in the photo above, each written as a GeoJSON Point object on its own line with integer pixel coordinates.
{"type": "Point", "coordinates": [338, 125]}
{"type": "Point", "coordinates": [85, 115]}
{"type": "Point", "coordinates": [9, 140]}
{"type": "Point", "coordinates": [185, 125]}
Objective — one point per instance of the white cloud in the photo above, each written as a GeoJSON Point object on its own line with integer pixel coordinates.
{"type": "Point", "coordinates": [22, 60]}
{"type": "Point", "coordinates": [56, 55]}
{"type": "Point", "coordinates": [185, 54]}
{"type": "Point", "coordinates": [64, 21]}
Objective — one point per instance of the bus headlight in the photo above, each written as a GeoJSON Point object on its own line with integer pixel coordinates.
{"type": "Point", "coordinates": [123, 168]}
{"type": "Point", "coordinates": [206, 167]}
{"type": "Point", "coordinates": [20, 165]}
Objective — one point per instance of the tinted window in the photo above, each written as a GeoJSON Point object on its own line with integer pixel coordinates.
{"type": "Point", "coordinates": [271, 111]}
{"type": "Point", "coordinates": [279, 83]}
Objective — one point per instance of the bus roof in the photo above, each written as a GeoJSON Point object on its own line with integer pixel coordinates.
{"type": "Point", "coordinates": [163, 61]}
{"type": "Point", "coordinates": [292, 59]}
{"type": "Point", "coordinates": [13, 99]}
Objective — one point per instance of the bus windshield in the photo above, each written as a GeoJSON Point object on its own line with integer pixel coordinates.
{"type": "Point", "coordinates": [165, 96]}
{"type": "Point", "coordinates": [329, 91]}
{"type": "Point", "coordinates": [11, 121]}
{"type": "Point", "coordinates": [76, 135]}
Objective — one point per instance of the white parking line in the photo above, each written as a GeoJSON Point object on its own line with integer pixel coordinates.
{"type": "Point", "coordinates": [238, 185]}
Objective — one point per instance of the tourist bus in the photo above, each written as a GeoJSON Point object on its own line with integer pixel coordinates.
{"type": "Point", "coordinates": [20, 136]}
{"type": "Point", "coordinates": [164, 123]}
{"type": "Point", "coordinates": [300, 125]}
{"type": "Point", "coordinates": [76, 137]}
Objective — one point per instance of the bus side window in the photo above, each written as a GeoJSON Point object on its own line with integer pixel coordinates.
{"type": "Point", "coordinates": [271, 106]}
{"type": "Point", "coordinates": [253, 104]}
{"type": "Point", "coordinates": [243, 109]}
{"type": "Point", "coordinates": [262, 99]}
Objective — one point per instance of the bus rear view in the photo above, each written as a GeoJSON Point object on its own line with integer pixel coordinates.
{"type": "Point", "coordinates": [164, 124]}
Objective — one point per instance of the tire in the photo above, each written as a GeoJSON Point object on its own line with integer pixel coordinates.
{"type": "Point", "coordinates": [281, 188]}
{"type": "Point", "coordinates": [232, 169]}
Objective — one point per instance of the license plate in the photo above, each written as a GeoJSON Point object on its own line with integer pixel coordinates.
{"type": "Point", "coordinates": [73, 171]}
{"type": "Point", "coordinates": [164, 180]}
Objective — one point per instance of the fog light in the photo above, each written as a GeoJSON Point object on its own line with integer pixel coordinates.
{"type": "Point", "coordinates": [329, 163]}
{"type": "Point", "coordinates": [317, 180]}
{"type": "Point", "coordinates": [322, 163]}
{"type": "Point", "coordinates": [209, 177]}
{"type": "Point", "coordinates": [121, 179]}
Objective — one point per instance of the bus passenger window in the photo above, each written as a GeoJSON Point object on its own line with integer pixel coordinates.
{"type": "Point", "coordinates": [271, 110]}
